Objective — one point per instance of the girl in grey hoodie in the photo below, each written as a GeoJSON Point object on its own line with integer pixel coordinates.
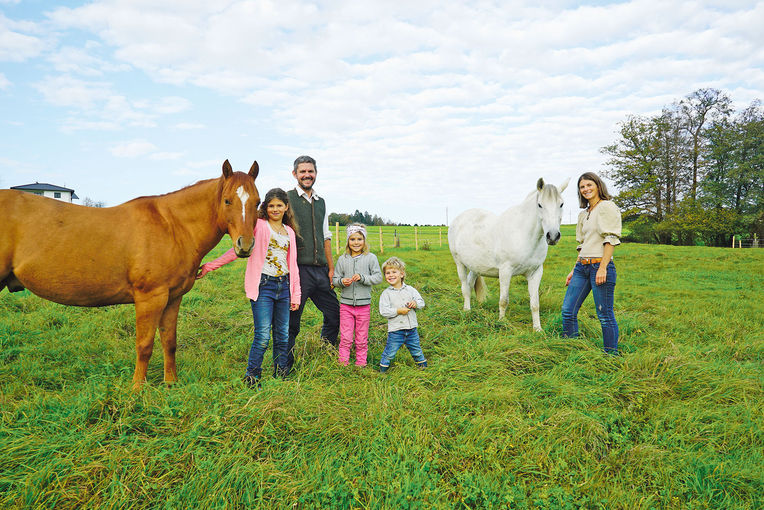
{"type": "Point", "coordinates": [355, 273]}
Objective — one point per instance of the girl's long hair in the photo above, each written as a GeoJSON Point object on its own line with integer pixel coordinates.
{"type": "Point", "coordinates": [365, 241]}
{"type": "Point", "coordinates": [601, 188]}
{"type": "Point", "coordinates": [288, 218]}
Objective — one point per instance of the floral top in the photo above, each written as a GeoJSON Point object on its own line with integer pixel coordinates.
{"type": "Point", "coordinates": [276, 255]}
{"type": "Point", "coordinates": [594, 229]}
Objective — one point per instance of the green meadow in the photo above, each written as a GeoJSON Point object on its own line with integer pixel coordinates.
{"type": "Point", "coordinates": [503, 417]}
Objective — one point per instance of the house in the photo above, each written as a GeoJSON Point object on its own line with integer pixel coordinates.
{"type": "Point", "coordinates": [48, 190]}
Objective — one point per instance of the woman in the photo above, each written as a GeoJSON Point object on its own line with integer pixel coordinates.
{"type": "Point", "coordinates": [271, 282]}
{"type": "Point", "coordinates": [597, 232]}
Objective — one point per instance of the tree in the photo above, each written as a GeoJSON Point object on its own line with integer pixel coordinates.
{"type": "Point", "coordinates": [695, 110]}
{"type": "Point", "coordinates": [692, 170]}
{"type": "Point", "coordinates": [89, 202]}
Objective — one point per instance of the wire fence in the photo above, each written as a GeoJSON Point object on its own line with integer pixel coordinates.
{"type": "Point", "coordinates": [749, 242]}
{"type": "Point", "coordinates": [381, 238]}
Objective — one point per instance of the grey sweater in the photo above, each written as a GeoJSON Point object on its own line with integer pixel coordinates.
{"type": "Point", "coordinates": [392, 299]}
{"type": "Point", "coordinates": [357, 293]}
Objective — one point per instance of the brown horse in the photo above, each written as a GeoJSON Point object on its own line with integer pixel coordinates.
{"type": "Point", "coordinates": [146, 251]}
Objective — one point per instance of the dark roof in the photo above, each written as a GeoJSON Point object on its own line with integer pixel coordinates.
{"type": "Point", "coordinates": [44, 186]}
{"type": "Point", "coordinates": [41, 186]}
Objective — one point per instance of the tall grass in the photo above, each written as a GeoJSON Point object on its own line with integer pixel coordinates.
{"type": "Point", "coordinates": [503, 418]}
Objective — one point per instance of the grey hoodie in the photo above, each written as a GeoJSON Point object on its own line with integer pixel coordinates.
{"type": "Point", "coordinates": [357, 293]}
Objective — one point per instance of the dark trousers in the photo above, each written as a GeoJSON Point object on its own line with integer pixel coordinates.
{"type": "Point", "coordinates": [315, 284]}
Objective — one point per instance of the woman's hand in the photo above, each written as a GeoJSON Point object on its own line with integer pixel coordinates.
{"type": "Point", "coordinates": [601, 276]}
{"type": "Point", "coordinates": [294, 306]}
{"type": "Point", "coordinates": [567, 279]}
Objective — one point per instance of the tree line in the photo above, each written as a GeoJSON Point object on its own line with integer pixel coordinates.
{"type": "Point", "coordinates": [693, 174]}
{"type": "Point", "coordinates": [363, 217]}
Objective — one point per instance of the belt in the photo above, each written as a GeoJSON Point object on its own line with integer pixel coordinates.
{"type": "Point", "coordinates": [589, 260]}
{"type": "Point", "coordinates": [277, 278]}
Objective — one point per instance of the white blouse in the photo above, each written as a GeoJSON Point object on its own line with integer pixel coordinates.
{"type": "Point", "coordinates": [593, 230]}
{"type": "Point", "coordinates": [276, 256]}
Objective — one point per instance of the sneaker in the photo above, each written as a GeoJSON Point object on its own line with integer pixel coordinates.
{"type": "Point", "coordinates": [422, 364]}
{"type": "Point", "coordinates": [253, 381]}
{"type": "Point", "coordinates": [383, 368]}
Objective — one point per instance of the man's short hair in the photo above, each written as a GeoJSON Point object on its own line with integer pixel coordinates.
{"type": "Point", "coordinates": [305, 159]}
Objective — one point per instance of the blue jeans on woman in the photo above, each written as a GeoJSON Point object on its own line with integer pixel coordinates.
{"type": "Point", "coordinates": [270, 312]}
{"type": "Point", "coordinates": [397, 339]}
{"type": "Point", "coordinates": [582, 282]}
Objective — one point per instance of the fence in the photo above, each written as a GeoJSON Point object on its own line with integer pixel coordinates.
{"type": "Point", "coordinates": [380, 238]}
{"type": "Point", "coordinates": [739, 242]}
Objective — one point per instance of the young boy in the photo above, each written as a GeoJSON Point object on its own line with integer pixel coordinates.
{"type": "Point", "coordinates": [398, 304]}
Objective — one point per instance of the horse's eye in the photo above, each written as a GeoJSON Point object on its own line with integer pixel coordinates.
{"type": "Point", "coordinates": [561, 205]}
{"type": "Point", "coordinates": [227, 202]}
{"type": "Point", "coordinates": [539, 206]}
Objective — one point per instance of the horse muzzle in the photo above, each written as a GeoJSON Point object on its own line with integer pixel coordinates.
{"type": "Point", "coordinates": [552, 238]}
{"type": "Point", "coordinates": [242, 251]}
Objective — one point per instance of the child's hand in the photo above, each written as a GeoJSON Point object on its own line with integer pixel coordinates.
{"type": "Point", "coordinates": [202, 271]}
{"type": "Point", "coordinates": [403, 311]}
{"type": "Point", "coordinates": [347, 281]}
{"type": "Point", "coordinates": [356, 277]}
{"type": "Point", "coordinates": [411, 305]}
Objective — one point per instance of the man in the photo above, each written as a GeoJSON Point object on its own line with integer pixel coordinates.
{"type": "Point", "coordinates": [314, 255]}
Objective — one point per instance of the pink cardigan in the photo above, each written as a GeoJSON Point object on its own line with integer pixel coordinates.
{"type": "Point", "coordinates": [256, 261]}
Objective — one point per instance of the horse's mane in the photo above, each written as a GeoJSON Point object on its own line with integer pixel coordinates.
{"type": "Point", "coordinates": [169, 193]}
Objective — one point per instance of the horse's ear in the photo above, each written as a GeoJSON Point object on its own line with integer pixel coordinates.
{"type": "Point", "coordinates": [254, 170]}
{"type": "Point", "coordinates": [564, 185]}
{"type": "Point", "coordinates": [227, 170]}
{"type": "Point", "coordinates": [540, 184]}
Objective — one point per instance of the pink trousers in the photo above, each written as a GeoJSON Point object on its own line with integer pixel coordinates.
{"type": "Point", "coordinates": [354, 318]}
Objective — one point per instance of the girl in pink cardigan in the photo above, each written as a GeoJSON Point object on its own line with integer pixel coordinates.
{"type": "Point", "coordinates": [271, 282]}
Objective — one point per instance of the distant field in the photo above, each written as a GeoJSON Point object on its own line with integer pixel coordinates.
{"type": "Point", "coordinates": [503, 418]}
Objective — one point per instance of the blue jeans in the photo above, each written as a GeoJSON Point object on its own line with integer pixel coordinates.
{"type": "Point", "coordinates": [270, 311]}
{"type": "Point", "coordinates": [581, 283]}
{"type": "Point", "coordinates": [396, 339]}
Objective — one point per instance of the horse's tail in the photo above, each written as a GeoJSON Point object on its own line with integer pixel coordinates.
{"type": "Point", "coordinates": [481, 291]}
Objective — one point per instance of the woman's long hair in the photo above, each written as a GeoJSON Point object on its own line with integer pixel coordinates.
{"type": "Point", "coordinates": [601, 188]}
{"type": "Point", "coordinates": [288, 218]}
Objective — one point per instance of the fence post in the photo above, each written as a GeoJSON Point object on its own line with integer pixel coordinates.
{"type": "Point", "coordinates": [733, 240]}
{"type": "Point", "coordinates": [755, 241]}
{"type": "Point", "coordinates": [740, 242]}
{"type": "Point", "coordinates": [416, 239]}
{"type": "Point", "coordinates": [381, 246]}
{"type": "Point", "coordinates": [337, 237]}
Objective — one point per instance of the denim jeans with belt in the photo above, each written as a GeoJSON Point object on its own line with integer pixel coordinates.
{"type": "Point", "coordinates": [397, 339]}
{"type": "Point", "coordinates": [270, 311]}
{"type": "Point", "coordinates": [582, 282]}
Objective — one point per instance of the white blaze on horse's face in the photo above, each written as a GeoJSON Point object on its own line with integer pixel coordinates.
{"type": "Point", "coordinates": [243, 196]}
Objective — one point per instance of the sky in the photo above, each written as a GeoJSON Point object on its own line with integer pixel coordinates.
{"type": "Point", "coordinates": [414, 111]}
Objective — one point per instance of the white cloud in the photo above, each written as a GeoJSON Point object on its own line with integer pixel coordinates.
{"type": "Point", "coordinates": [449, 97]}
{"type": "Point", "coordinates": [16, 46]}
{"type": "Point", "coordinates": [68, 91]}
{"type": "Point", "coordinates": [4, 82]}
{"type": "Point", "coordinates": [133, 149]}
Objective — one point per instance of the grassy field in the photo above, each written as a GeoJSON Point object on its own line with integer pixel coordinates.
{"type": "Point", "coordinates": [503, 418]}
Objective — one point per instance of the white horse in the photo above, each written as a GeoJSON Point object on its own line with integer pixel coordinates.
{"type": "Point", "coordinates": [516, 242]}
